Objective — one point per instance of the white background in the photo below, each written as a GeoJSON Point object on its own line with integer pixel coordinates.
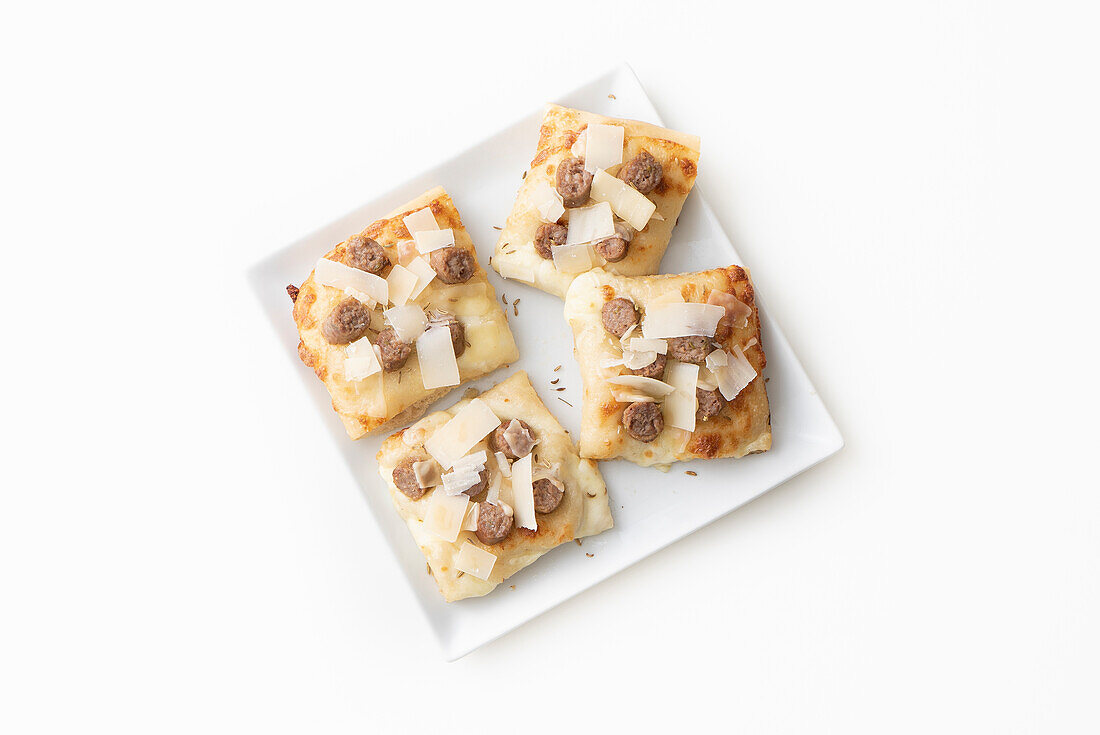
{"type": "Point", "coordinates": [915, 188]}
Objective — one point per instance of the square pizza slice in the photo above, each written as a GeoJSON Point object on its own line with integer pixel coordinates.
{"type": "Point", "coordinates": [671, 366]}
{"type": "Point", "coordinates": [490, 485]}
{"type": "Point", "coordinates": [600, 192]}
{"type": "Point", "coordinates": [395, 317]}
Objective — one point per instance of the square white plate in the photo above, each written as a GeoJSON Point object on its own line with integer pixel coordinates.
{"type": "Point", "coordinates": [651, 509]}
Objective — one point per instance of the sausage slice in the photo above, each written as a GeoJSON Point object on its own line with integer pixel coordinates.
{"type": "Point", "coordinates": [643, 420]}
{"type": "Point", "coordinates": [500, 444]}
{"type": "Point", "coordinates": [654, 369]}
{"type": "Point", "coordinates": [453, 264]}
{"type": "Point", "coordinates": [395, 353]}
{"type": "Point", "coordinates": [548, 494]}
{"type": "Point", "coordinates": [347, 322]}
{"type": "Point", "coordinates": [405, 479]}
{"type": "Point", "coordinates": [458, 333]}
{"type": "Point", "coordinates": [574, 183]}
{"type": "Point", "coordinates": [618, 315]}
{"type": "Point", "coordinates": [643, 172]}
{"type": "Point", "coordinates": [690, 349]}
{"type": "Point", "coordinates": [366, 255]}
{"type": "Point", "coordinates": [493, 524]}
{"type": "Point", "coordinates": [547, 236]}
{"type": "Point", "coordinates": [710, 404]}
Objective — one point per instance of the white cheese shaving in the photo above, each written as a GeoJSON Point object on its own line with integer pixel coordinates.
{"type": "Point", "coordinates": [636, 360]}
{"type": "Point", "coordinates": [337, 275]}
{"type": "Point", "coordinates": [503, 464]}
{"type": "Point", "coordinates": [401, 284]}
{"type": "Point", "coordinates": [680, 405]}
{"type": "Point", "coordinates": [645, 386]}
{"type": "Point", "coordinates": [641, 344]}
{"type": "Point", "coordinates": [406, 251]}
{"type": "Point", "coordinates": [630, 204]}
{"type": "Point", "coordinates": [579, 145]}
{"type": "Point", "coordinates": [732, 372]}
{"type": "Point", "coordinates": [518, 270]}
{"type": "Point", "coordinates": [475, 560]}
{"type": "Point", "coordinates": [470, 524]}
{"type": "Point", "coordinates": [752, 342]}
{"type": "Point", "coordinates": [422, 269]}
{"type": "Point", "coordinates": [362, 360]}
{"type": "Point", "coordinates": [629, 331]}
{"type": "Point", "coordinates": [408, 321]}
{"type": "Point", "coordinates": [590, 224]}
{"type": "Point", "coordinates": [681, 320]}
{"type": "Point", "coordinates": [445, 514]}
{"type": "Point", "coordinates": [610, 362]}
{"type": "Point", "coordinates": [458, 436]}
{"type": "Point", "coordinates": [427, 473]}
{"type": "Point", "coordinates": [519, 440]}
{"type": "Point", "coordinates": [547, 202]}
{"type": "Point", "coordinates": [422, 220]}
{"type": "Point", "coordinates": [523, 494]}
{"type": "Point", "coordinates": [603, 147]}
{"type": "Point", "coordinates": [572, 258]}
{"type": "Point", "coordinates": [737, 312]}
{"type": "Point", "coordinates": [706, 380]}
{"type": "Point", "coordinates": [492, 495]}
{"type": "Point", "coordinates": [436, 354]}
{"type": "Point", "coordinates": [459, 482]}
{"type": "Point", "coordinates": [429, 240]}
{"type": "Point", "coordinates": [628, 395]}
{"type": "Point", "coordinates": [473, 461]}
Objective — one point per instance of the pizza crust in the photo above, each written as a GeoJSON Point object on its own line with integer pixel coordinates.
{"type": "Point", "coordinates": [744, 425]}
{"type": "Point", "coordinates": [584, 510]}
{"type": "Point", "coordinates": [678, 154]}
{"type": "Point", "coordinates": [386, 400]}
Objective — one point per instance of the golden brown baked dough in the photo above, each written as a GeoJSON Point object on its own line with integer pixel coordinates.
{"type": "Point", "coordinates": [744, 424]}
{"type": "Point", "coordinates": [385, 400]}
{"type": "Point", "coordinates": [678, 154]}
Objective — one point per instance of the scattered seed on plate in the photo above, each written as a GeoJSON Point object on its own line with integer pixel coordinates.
{"type": "Point", "coordinates": [504, 298]}
{"type": "Point", "coordinates": [567, 403]}
{"type": "Point", "coordinates": [610, 96]}
{"type": "Point", "coordinates": [578, 541]}
{"type": "Point", "coordinates": [497, 228]}
{"type": "Point", "coordinates": [589, 555]}
{"type": "Point", "coordinates": [562, 388]}
{"type": "Point", "coordinates": [554, 381]}
{"type": "Point", "coordinates": [557, 368]}
{"type": "Point", "coordinates": [693, 473]}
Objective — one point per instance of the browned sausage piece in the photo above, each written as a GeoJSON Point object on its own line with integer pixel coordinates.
{"type": "Point", "coordinates": [643, 420]}
{"type": "Point", "coordinates": [458, 333]}
{"type": "Point", "coordinates": [480, 485]}
{"type": "Point", "coordinates": [654, 369]}
{"type": "Point", "coordinates": [395, 353]}
{"type": "Point", "coordinates": [549, 235]}
{"type": "Point", "coordinates": [548, 494]}
{"type": "Point", "coordinates": [574, 183]}
{"type": "Point", "coordinates": [347, 322]}
{"type": "Point", "coordinates": [613, 249]}
{"type": "Point", "coordinates": [292, 292]}
{"type": "Point", "coordinates": [366, 255]}
{"type": "Point", "coordinates": [690, 349]}
{"type": "Point", "coordinates": [618, 315]}
{"type": "Point", "coordinates": [723, 330]}
{"type": "Point", "coordinates": [526, 440]}
{"type": "Point", "coordinates": [643, 172]}
{"type": "Point", "coordinates": [405, 479]}
{"type": "Point", "coordinates": [710, 404]}
{"type": "Point", "coordinates": [493, 524]}
{"type": "Point", "coordinates": [453, 264]}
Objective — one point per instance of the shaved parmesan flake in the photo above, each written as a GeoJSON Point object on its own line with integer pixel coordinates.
{"type": "Point", "coordinates": [503, 464]}
{"type": "Point", "coordinates": [547, 202]}
{"type": "Point", "coordinates": [579, 145]}
{"type": "Point", "coordinates": [732, 372]}
{"type": "Point", "coordinates": [475, 560]}
{"type": "Point", "coordinates": [493, 493]}
{"type": "Point", "coordinates": [629, 331]}
{"type": "Point", "coordinates": [406, 251]}
{"type": "Point", "coordinates": [680, 405]}
{"type": "Point", "coordinates": [603, 147]}
{"type": "Point", "coordinates": [429, 240]}
{"type": "Point", "coordinates": [459, 435]}
{"type": "Point", "coordinates": [657, 216]}
{"type": "Point", "coordinates": [424, 273]}
{"type": "Point", "coordinates": [330, 273]}
{"type": "Point", "coordinates": [610, 362]}
{"type": "Point", "coordinates": [362, 360]}
{"type": "Point", "coordinates": [401, 283]}
{"type": "Point", "coordinates": [641, 344]}
{"type": "Point", "coordinates": [408, 321]}
{"type": "Point", "coordinates": [751, 343]}
{"type": "Point", "coordinates": [737, 312]}
{"type": "Point", "coordinates": [590, 224]}
{"type": "Point", "coordinates": [473, 461]}
{"type": "Point", "coordinates": [459, 482]}
{"type": "Point", "coordinates": [706, 380]}
{"type": "Point", "coordinates": [470, 524]}
{"type": "Point", "coordinates": [445, 514]}
{"type": "Point", "coordinates": [645, 386]}
{"type": "Point", "coordinates": [427, 473]}
{"type": "Point", "coordinates": [519, 271]}
{"type": "Point", "coordinates": [627, 395]}
{"type": "Point", "coordinates": [681, 320]}
{"type": "Point", "coordinates": [572, 258]}
{"type": "Point", "coordinates": [523, 494]}
{"type": "Point", "coordinates": [637, 360]}
{"type": "Point", "coordinates": [422, 220]}
{"type": "Point", "coordinates": [627, 202]}
{"type": "Point", "coordinates": [519, 439]}
{"type": "Point", "coordinates": [436, 354]}
{"type": "Point", "coordinates": [361, 297]}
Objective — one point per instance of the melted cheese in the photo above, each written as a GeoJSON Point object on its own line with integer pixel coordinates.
{"type": "Point", "coordinates": [603, 147]}
{"type": "Point", "coordinates": [572, 258]}
{"type": "Point", "coordinates": [401, 284]}
{"type": "Point", "coordinates": [475, 560]}
{"type": "Point", "coordinates": [422, 269]}
{"type": "Point", "coordinates": [436, 355]}
{"type": "Point", "coordinates": [547, 202]}
{"type": "Point", "coordinates": [523, 494]}
{"type": "Point", "coordinates": [518, 270]}
{"type": "Point", "coordinates": [644, 386]}
{"type": "Point", "coordinates": [422, 220]}
{"type": "Point", "coordinates": [427, 473]}
{"type": "Point", "coordinates": [681, 320]}
{"type": "Point", "coordinates": [429, 240]}
{"type": "Point", "coordinates": [445, 514]}
{"type": "Point", "coordinates": [732, 372]}
{"type": "Point", "coordinates": [590, 224]}
{"type": "Point", "coordinates": [630, 204]}
{"type": "Point", "coordinates": [361, 360]}
{"type": "Point", "coordinates": [337, 275]}
{"type": "Point", "coordinates": [680, 405]}
{"type": "Point", "coordinates": [408, 321]}
{"type": "Point", "coordinates": [459, 435]}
